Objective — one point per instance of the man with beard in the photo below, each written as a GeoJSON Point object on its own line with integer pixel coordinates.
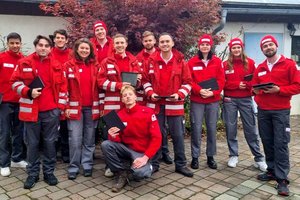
{"type": "Point", "coordinates": [274, 110]}
{"type": "Point", "coordinates": [142, 57]}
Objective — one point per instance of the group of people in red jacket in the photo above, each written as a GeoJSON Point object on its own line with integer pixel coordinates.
{"type": "Point", "coordinates": [77, 87]}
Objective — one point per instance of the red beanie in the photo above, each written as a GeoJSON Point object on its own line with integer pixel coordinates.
{"type": "Point", "coordinates": [99, 23]}
{"type": "Point", "coordinates": [206, 39]}
{"type": "Point", "coordinates": [235, 41]}
{"type": "Point", "coordinates": [268, 38]}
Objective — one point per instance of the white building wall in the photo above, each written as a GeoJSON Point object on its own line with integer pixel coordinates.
{"type": "Point", "coordinates": [233, 29]}
{"type": "Point", "coordinates": [29, 27]}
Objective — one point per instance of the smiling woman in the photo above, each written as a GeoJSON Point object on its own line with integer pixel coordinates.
{"type": "Point", "coordinates": [83, 107]}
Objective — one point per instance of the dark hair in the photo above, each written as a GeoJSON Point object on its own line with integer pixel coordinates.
{"type": "Point", "coordinates": [76, 46]}
{"type": "Point", "coordinates": [39, 37]}
{"type": "Point", "coordinates": [13, 35]}
{"type": "Point", "coordinates": [62, 32]}
{"type": "Point", "coordinates": [209, 56]}
{"type": "Point", "coordinates": [165, 33]}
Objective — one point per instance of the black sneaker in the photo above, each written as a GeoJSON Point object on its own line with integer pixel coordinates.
{"type": "Point", "coordinates": [282, 188]}
{"type": "Point", "coordinates": [195, 163]}
{"type": "Point", "coordinates": [266, 176]}
{"type": "Point", "coordinates": [211, 162]}
{"type": "Point", "coordinates": [30, 182]}
{"type": "Point", "coordinates": [50, 179]}
{"type": "Point", "coordinates": [87, 172]}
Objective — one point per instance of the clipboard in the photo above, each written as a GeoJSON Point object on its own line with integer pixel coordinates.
{"type": "Point", "coordinates": [112, 119]}
{"type": "Point", "coordinates": [263, 86]}
{"type": "Point", "coordinates": [36, 83]}
{"type": "Point", "coordinates": [210, 83]}
{"type": "Point", "coordinates": [248, 77]}
{"type": "Point", "coordinates": [130, 77]}
{"type": "Point", "coordinates": [164, 97]}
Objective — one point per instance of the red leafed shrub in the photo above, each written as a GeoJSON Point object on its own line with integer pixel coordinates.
{"type": "Point", "coordinates": [186, 20]}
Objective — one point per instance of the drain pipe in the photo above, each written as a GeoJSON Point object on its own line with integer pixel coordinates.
{"type": "Point", "coordinates": [222, 23]}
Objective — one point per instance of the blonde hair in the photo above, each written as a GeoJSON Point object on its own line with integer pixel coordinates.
{"type": "Point", "coordinates": [243, 57]}
{"type": "Point", "coordinates": [118, 35]}
{"type": "Point", "coordinates": [127, 87]}
{"type": "Point", "coordinates": [148, 33]}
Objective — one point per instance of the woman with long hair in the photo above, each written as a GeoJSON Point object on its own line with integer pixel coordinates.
{"type": "Point", "coordinates": [239, 70]}
{"type": "Point", "coordinates": [208, 82]}
{"type": "Point", "coordinates": [83, 107]}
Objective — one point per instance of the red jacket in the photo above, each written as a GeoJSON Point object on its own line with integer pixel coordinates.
{"type": "Point", "coordinates": [74, 92]}
{"type": "Point", "coordinates": [142, 58]}
{"type": "Point", "coordinates": [179, 82]}
{"type": "Point", "coordinates": [142, 133]}
{"type": "Point", "coordinates": [286, 74]}
{"type": "Point", "coordinates": [109, 79]}
{"type": "Point", "coordinates": [25, 74]}
{"type": "Point", "coordinates": [61, 56]}
{"type": "Point", "coordinates": [104, 52]}
{"type": "Point", "coordinates": [234, 77]}
{"type": "Point", "coordinates": [200, 72]}
{"type": "Point", "coordinates": [8, 63]}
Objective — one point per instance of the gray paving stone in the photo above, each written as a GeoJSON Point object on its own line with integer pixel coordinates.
{"type": "Point", "coordinates": [59, 194]}
{"type": "Point", "coordinates": [148, 196]}
{"type": "Point", "coordinates": [184, 193]}
{"type": "Point", "coordinates": [39, 193]}
{"type": "Point", "coordinates": [200, 196]}
{"type": "Point", "coordinates": [242, 189]}
{"type": "Point", "coordinates": [251, 184]}
{"type": "Point", "coordinates": [89, 192]}
{"type": "Point", "coordinates": [4, 197]}
{"type": "Point", "coordinates": [226, 197]}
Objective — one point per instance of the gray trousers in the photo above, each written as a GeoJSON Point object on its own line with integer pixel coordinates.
{"type": "Point", "coordinates": [82, 141]}
{"type": "Point", "coordinates": [245, 107]}
{"type": "Point", "coordinates": [45, 130]}
{"type": "Point", "coordinates": [119, 157]}
{"type": "Point", "coordinates": [210, 112]}
{"type": "Point", "coordinates": [11, 134]}
{"type": "Point", "coordinates": [176, 128]}
{"type": "Point", "coordinates": [274, 130]}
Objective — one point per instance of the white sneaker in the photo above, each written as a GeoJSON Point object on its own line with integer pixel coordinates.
{"type": "Point", "coordinates": [108, 173]}
{"type": "Point", "coordinates": [233, 161]}
{"type": "Point", "coordinates": [21, 164]}
{"type": "Point", "coordinates": [5, 171]}
{"type": "Point", "coordinates": [261, 165]}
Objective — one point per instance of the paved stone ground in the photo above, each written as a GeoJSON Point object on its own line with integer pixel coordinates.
{"type": "Point", "coordinates": [223, 184]}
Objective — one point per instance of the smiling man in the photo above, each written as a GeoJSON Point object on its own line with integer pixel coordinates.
{"type": "Point", "coordinates": [62, 53]}
{"type": "Point", "coordinates": [11, 128]}
{"type": "Point", "coordinates": [103, 44]}
{"type": "Point", "coordinates": [129, 151]}
{"type": "Point", "coordinates": [274, 111]}
{"type": "Point", "coordinates": [109, 76]}
{"type": "Point", "coordinates": [40, 108]}
{"type": "Point", "coordinates": [167, 82]}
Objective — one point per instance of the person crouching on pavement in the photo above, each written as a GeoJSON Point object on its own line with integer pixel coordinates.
{"type": "Point", "coordinates": [136, 144]}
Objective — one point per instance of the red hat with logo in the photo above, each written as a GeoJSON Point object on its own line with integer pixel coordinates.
{"type": "Point", "coordinates": [268, 38]}
{"type": "Point", "coordinates": [100, 23]}
{"type": "Point", "coordinates": [235, 41]}
{"type": "Point", "coordinates": [206, 39]}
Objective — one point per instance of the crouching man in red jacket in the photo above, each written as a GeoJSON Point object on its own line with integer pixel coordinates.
{"type": "Point", "coordinates": [136, 144]}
